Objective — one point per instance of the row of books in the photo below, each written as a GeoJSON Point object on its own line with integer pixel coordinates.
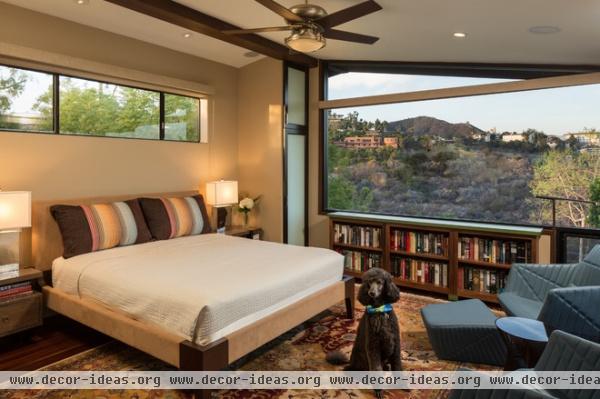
{"type": "Point", "coordinates": [494, 251]}
{"type": "Point", "coordinates": [360, 261]}
{"type": "Point", "coordinates": [13, 291]}
{"type": "Point", "coordinates": [420, 271]}
{"type": "Point", "coordinates": [488, 281]}
{"type": "Point", "coordinates": [364, 236]}
{"type": "Point", "coordinates": [426, 243]}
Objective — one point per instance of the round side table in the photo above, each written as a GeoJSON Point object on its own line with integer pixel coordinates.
{"type": "Point", "coordinates": [525, 340]}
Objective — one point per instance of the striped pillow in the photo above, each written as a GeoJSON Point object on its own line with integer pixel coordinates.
{"type": "Point", "coordinates": [89, 228]}
{"type": "Point", "coordinates": [175, 217]}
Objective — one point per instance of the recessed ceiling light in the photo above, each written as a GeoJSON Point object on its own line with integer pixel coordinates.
{"type": "Point", "coordinates": [251, 54]}
{"type": "Point", "coordinates": [544, 29]}
{"type": "Point", "coordinates": [460, 35]}
{"type": "Point", "coordinates": [187, 35]}
{"type": "Point", "coordinates": [82, 2]}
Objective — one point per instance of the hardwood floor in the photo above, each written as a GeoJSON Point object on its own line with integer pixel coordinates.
{"type": "Point", "coordinates": [57, 339]}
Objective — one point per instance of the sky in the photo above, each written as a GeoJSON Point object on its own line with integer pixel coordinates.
{"type": "Point", "coordinates": [553, 111]}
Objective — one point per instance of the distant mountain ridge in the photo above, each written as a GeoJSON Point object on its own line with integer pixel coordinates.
{"type": "Point", "coordinates": [428, 126]}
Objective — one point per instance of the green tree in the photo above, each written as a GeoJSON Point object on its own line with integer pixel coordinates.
{"type": "Point", "coordinates": [102, 109]}
{"type": "Point", "coordinates": [594, 216]}
{"type": "Point", "coordinates": [137, 108]}
{"type": "Point", "coordinates": [12, 83]}
{"type": "Point", "coordinates": [180, 109]}
{"type": "Point", "coordinates": [343, 194]}
{"type": "Point", "coordinates": [88, 110]}
{"type": "Point", "coordinates": [565, 174]}
{"type": "Point", "coordinates": [339, 193]}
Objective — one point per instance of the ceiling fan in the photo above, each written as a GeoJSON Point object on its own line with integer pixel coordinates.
{"type": "Point", "coordinates": [311, 25]}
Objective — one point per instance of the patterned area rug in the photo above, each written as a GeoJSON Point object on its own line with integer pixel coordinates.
{"type": "Point", "coordinates": [303, 348]}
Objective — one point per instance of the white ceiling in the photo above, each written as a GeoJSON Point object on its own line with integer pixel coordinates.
{"type": "Point", "coordinates": [410, 30]}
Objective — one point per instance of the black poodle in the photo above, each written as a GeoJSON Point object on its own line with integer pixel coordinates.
{"type": "Point", "coordinates": [377, 345]}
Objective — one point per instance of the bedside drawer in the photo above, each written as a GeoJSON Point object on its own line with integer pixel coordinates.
{"type": "Point", "coordinates": [20, 314]}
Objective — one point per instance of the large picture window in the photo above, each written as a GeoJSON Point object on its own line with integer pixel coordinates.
{"type": "Point", "coordinates": [488, 157]}
{"type": "Point", "coordinates": [32, 101]}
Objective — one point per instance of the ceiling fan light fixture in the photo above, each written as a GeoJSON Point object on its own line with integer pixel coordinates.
{"type": "Point", "coordinates": [305, 40]}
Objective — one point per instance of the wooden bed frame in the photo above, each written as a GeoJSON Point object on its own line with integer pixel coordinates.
{"type": "Point", "coordinates": [46, 245]}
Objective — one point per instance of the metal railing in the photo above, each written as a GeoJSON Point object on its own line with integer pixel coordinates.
{"type": "Point", "coordinates": [562, 246]}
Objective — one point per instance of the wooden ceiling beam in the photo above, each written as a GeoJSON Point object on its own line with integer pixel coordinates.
{"type": "Point", "coordinates": [196, 21]}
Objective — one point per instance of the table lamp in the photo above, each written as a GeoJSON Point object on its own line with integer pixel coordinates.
{"type": "Point", "coordinates": [15, 214]}
{"type": "Point", "coordinates": [221, 195]}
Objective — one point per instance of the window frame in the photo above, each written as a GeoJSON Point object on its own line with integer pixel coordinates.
{"type": "Point", "coordinates": [504, 71]}
{"type": "Point", "coordinates": [56, 107]}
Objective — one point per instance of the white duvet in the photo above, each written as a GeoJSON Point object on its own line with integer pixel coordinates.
{"type": "Point", "coordinates": [199, 287]}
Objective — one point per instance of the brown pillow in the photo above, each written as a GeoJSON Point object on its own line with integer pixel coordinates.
{"type": "Point", "coordinates": [175, 217]}
{"type": "Point", "coordinates": [89, 228]}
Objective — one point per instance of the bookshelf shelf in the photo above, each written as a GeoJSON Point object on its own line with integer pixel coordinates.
{"type": "Point", "coordinates": [359, 247]}
{"type": "Point", "coordinates": [415, 249]}
{"type": "Point", "coordinates": [484, 264]}
{"type": "Point", "coordinates": [424, 286]}
{"type": "Point", "coordinates": [420, 255]}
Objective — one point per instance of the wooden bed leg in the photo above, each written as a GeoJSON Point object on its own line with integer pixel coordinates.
{"type": "Point", "coordinates": [350, 298]}
{"type": "Point", "coordinates": [213, 357]}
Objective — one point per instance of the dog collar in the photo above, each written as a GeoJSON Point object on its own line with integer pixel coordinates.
{"type": "Point", "coordinates": [386, 308]}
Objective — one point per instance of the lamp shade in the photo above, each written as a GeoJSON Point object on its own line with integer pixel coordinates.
{"type": "Point", "coordinates": [15, 209]}
{"type": "Point", "coordinates": [222, 193]}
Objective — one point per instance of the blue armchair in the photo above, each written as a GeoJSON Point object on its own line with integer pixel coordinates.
{"type": "Point", "coordinates": [565, 352]}
{"type": "Point", "coordinates": [564, 296]}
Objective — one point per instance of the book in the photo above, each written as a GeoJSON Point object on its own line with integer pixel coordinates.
{"type": "Point", "coordinates": [489, 281]}
{"type": "Point", "coordinates": [420, 271]}
{"type": "Point", "coordinates": [358, 261]}
{"type": "Point", "coordinates": [16, 296]}
{"type": "Point", "coordinates": [364, 236]}
{"type": "Point", "coordinates": [417, 242]}
{"type": "Point", "coordinates": [493, 250]}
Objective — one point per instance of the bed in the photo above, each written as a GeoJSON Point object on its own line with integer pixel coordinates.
{"type": "Point", "coordinates": [197, 302]}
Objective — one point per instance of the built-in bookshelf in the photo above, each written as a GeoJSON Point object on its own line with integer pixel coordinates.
{"type": "Point", "coordinates": [469, 260]}
{"type": "Point", "coordinates": [418, 258]}
{"type": "Point", "coordinates": [362, 245]}
{"type": "Point", "coordinates": [360, 261]}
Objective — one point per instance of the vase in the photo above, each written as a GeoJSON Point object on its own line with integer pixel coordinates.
{"type": "Point", "coordinates": [245, 219]}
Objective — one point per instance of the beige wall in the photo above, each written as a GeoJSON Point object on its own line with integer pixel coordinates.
{"type": "Point", "coordinates": [54, 167]}
{"type": "Point", "coordinates": [260, 126]}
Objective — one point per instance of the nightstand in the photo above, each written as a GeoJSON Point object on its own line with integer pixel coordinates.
{"type": "Point", "coordinates": [22, 309]}
{"type": "Point", "coordinates": [254, 233]}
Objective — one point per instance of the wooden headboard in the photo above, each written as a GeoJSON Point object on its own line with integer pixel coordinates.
{"type": "Point", "coordinates": [44, 244]}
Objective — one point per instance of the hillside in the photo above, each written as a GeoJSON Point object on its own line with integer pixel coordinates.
{"type": "Point", "coordinates": [428, 126]}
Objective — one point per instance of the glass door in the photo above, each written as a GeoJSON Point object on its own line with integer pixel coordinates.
{"type": "Point", "coordinates": [295, 201]}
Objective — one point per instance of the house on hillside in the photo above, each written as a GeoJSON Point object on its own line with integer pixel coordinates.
{"type": "Point", "coordinates": [591, 138]}
{"type": "Point", "coordinates": [510, 137]}
{"type": "Point", "coordinates": [361, 142]}
{"type": "Point", "coordinates": [390, 142]}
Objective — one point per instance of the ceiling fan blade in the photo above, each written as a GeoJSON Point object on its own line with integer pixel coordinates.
{"type": "Point", "coordinates": [258, 30]}
{"type": "Point", "coordinates": [349, 36]}
{"type": "Point", "coordinates": [348, 14]}
{"type": "Point", "coordinates": [281, 10]}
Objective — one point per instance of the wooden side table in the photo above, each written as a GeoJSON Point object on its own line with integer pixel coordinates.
{"type": "Point", "coordinates": [525, 341]}
{"type": "Point", "coordinates": [21, 310]}
{"type": "Point", "coordinates": [254, 233]}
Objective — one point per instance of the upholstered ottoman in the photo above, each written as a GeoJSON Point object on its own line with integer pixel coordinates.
{"type": "Point", "coordinates": [464, 331]}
